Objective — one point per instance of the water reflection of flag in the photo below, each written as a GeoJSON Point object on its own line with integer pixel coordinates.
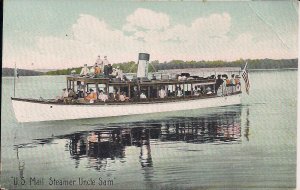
{"type": "Point", "coordinates": [246, 78]}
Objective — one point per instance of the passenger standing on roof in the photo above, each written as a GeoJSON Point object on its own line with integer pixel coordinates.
{"type": "Point", "coordinates": [105, 61]}
{"type": "Point", "coordinates": [99, 62]}
{"type": "Point", "coordinates": [110, 69]}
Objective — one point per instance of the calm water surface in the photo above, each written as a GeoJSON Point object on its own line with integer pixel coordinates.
{"type": "Point", "coordinates": [248, 146]}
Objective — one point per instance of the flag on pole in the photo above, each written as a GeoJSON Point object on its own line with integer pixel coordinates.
{"type": "Point", "coordinates": [246, 78]}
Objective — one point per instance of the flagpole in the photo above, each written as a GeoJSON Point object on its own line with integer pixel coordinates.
{"type": "Point", "coordinates": [245, 66]}
{"type": "Point", "coordinates": [15, 81]}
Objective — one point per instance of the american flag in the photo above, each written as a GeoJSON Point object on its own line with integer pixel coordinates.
{"type": "Point", "coordinates": [246, 79]}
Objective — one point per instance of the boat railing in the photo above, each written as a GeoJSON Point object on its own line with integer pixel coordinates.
{"type": "Point", "coordinates": [81, 101]}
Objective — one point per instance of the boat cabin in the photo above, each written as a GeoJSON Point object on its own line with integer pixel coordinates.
{"type": "Point", "coordinates": [144, 88]}
{"type": "Point", "coordinates": [137, 90]}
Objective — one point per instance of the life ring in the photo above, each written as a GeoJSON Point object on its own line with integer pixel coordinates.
{"type": "Point", "coordinates": [238, 87]}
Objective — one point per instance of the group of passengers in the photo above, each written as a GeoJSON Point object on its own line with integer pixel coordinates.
{"type": "Point", "coordinates": [101, 68]}
{"type": "Point", "coordinates": [91, 96]}
{"type": "Point", "coordinates": [196, 91]}
{"type": "Point", "coordinates": [225, 85]}
{"type": "Point", "coordinates": [67, 95]}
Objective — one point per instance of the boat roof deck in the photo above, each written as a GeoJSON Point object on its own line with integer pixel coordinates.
{"type": "Point", "coordinates": [202, 70]}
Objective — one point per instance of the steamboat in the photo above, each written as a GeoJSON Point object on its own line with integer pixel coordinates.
{"type": "Point", "coordinates": [108, 95]}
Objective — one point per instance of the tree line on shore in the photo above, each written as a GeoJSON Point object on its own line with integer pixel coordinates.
{"type": "Point", "coordinates": [131, 66]}
{"type": "Point", "coordinates": [21, 72]}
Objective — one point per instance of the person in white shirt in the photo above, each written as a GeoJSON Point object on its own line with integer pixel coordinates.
{"type": "Point", "coordinates": [114, 72]}
{"type": "Point", "coordinates": [64, 95]}
{"type": "Point", "coordinates": [162, 93]}
{"type": "Point", "coordinates": [181, 78]}
{"type": "Point", "coordinates": [178, 92]}
{"type": "Point", "coordinates": [119, 73]}
{"type": "Point", "coordinates": [92, 71]}
{"type": "Point", "coordinates": [196, 91]}
{"type": "Point", "coordinates": [123, 97]}
{"type": "Point", "coordinates": [208, 91]}
{"type": "Point", "coordinates": [84, 71]}
{"type": "Point", "coordinates": [224, 87]}
{"type": "Point", "coordinates": [103, 97]}
{"type": "Point", "coordinates": [232, 83]}
{"type": "Point", "coordinates": [143, 96]}
{"type": "Point", "coordinates": [73, 72]}
{"type": "Point", "coordinates": [99, 62]}
{"type": "Point", "coordinates": [105, 61]}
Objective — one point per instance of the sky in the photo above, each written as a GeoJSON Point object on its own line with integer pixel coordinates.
{"type": "Point", "coordinates": [48, 34]}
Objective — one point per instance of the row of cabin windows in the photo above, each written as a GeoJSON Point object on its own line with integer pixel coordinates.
{"type": "Point", "coordinates": [149, 91]}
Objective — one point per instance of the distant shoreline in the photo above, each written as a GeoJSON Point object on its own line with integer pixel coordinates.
{"type": "Point", "coordinates": [273, 69]}
{"type": "Point", "coordinates": [132, 66]}
{"type": "Point", "coordinates": [281, 69]}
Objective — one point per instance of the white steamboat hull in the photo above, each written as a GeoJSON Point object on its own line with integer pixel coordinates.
{"type": "Point", "coordinates": [33, 111]}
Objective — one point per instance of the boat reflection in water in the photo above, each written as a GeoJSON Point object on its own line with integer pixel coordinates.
{"type": "Point", "coordinates": [110, 142]}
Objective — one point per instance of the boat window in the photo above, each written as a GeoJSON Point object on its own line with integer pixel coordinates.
{"type": "Point", "coordinates": [148, 91]}
{"type": "Point", "coordinates": [91, 86]}
{"type": "Point", "coordinates": [101, 87]}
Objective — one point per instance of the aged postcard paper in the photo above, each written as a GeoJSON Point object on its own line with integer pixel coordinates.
{"type": "Point", "coordinates": [149, 94]}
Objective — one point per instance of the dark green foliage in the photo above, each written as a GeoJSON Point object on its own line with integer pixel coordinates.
{"type": "Point", "coordinates": [22, 72]}
{"type": "Point", "coordinates": [64, 71]}
{"type": "Point", "coordinates": [131, 67]}
{"type": "Point", "coordinates": [252, 64]}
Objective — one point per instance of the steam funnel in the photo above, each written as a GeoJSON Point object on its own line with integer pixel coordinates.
{"type": "Point", "coordinates": [143, 62]}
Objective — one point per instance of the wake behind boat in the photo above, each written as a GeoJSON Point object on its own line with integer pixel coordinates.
{"type": "Point", "coordinates": [108, 94]}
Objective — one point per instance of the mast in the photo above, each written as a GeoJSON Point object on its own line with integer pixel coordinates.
{"type": "Point", "coordinates": [15, 72]}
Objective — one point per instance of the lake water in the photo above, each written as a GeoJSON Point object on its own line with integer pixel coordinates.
{"type": "Point", "coordinates": [248, 146]}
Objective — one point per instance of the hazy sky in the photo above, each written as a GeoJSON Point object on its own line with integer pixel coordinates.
{"type": "Point", "coordinates": [69, 33]}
